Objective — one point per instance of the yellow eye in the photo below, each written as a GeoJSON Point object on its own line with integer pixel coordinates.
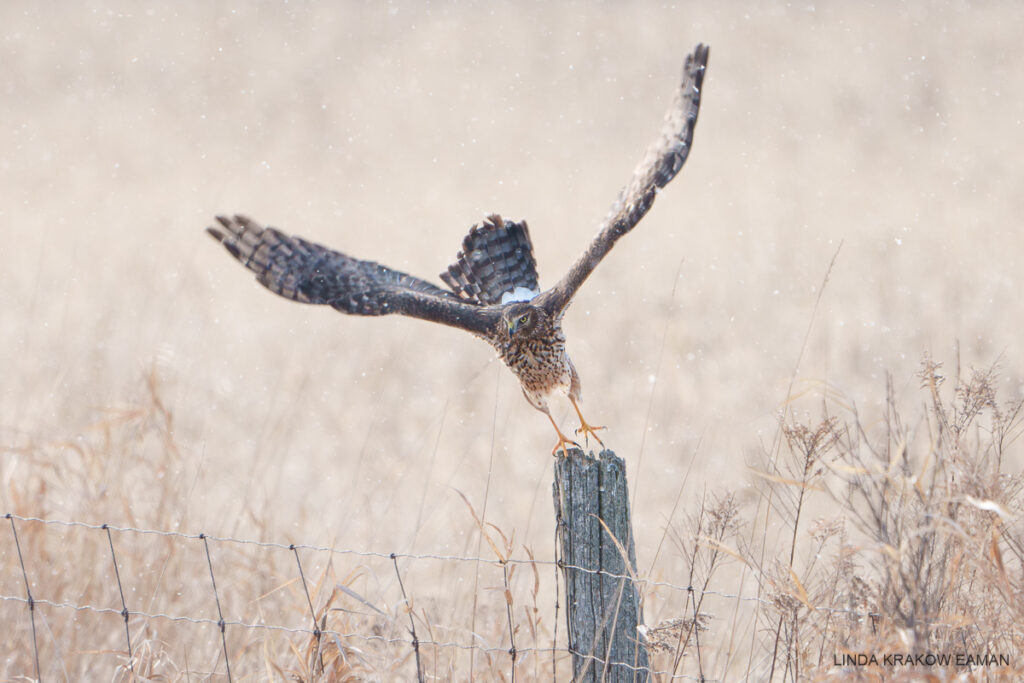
{"type": "Point", "coordinates": [522, 319]}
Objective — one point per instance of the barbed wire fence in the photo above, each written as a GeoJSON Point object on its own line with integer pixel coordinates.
{"type": "Point", "coordinates": [28, 635]}
{"type": "Point", "coordinates": [315, 628]}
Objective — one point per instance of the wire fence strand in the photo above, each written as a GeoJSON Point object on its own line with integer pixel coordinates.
{"type": "Point", "coordinates": [124, 606]}
{"type": "Point", "coordinates": [369, 638]}
{"type": "Point", "coordinates": [317, 631]}
{"type": "Point", "coordinates": [220, 614]}
{"type": "Point", "coordinates": [271, 545]}
{"type": "Point", "coordinates": [28, 593]}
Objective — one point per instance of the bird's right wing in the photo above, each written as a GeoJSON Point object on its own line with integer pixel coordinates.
{"type": "Point", "coordinates": [309, 273]}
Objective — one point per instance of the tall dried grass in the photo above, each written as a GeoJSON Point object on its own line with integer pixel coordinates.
{"type": "Point", "coordinates": [915, 551]}
{"type": "Point", "coordinates": [920, 554]}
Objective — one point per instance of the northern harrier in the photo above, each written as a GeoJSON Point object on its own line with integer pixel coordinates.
{"type": "Point", "coordinates": [495, 294]}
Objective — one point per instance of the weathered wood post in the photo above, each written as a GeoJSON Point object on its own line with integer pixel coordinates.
{"type": "Point", "coordinates": [602, 599]}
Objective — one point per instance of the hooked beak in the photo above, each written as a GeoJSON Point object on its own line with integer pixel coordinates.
{"type": "Point", "coordinates": [512, 326]}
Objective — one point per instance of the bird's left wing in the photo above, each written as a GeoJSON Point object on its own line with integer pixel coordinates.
{"type": "Point", "coordinates": [309, 273]}
{"type": "Point", "coordinates": [660, 165]}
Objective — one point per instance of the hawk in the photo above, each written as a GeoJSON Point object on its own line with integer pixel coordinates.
{"type": "Point", "coordinates": [494, 287]}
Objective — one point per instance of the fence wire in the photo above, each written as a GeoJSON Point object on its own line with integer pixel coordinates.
{"type": "Point", "coordinates": [385, 555]}
{"type": "Point", "coordinates": [318, 632]}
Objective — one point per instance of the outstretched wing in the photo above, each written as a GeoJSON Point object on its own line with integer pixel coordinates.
{"type": "Point", "coordinates": [309, 273]}
{"type": "Point", "coordinates": [660, 165]}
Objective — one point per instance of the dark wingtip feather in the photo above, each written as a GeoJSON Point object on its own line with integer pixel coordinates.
{"type": "Point", "coordinates": [225, 238]}
{"type": "Point", "coordinates": [697, 63]}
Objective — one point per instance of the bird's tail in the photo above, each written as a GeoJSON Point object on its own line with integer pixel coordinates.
{"type": "Point", "coordinates": [496, 264]}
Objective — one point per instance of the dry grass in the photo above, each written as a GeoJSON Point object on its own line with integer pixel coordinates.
{"type": "Point", "coordinates": [148, 382]}
{"type": "Point", "coordinates": [922, 555]}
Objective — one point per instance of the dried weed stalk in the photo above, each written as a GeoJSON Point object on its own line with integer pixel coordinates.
{"type": "Point", "coordinates": [926, 543]}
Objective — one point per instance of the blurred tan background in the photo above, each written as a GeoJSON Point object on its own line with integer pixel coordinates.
{"type": "Point", "coordinates": [386, 130]}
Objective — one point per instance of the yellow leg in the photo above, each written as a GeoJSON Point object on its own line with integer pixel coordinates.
{"type": "Point", "coordinates": [564, 442]}
{"type": "Point", "coordinates": [586, 428]}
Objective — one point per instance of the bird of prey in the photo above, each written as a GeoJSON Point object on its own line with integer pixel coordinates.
{"type": "Point", "coordinates": [494, 288]}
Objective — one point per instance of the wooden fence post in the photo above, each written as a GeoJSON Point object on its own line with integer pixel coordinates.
{"type": "Point", "coordinates": [602, 600]}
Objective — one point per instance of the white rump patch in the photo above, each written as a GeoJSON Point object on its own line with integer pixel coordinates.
{"type": "Point", "coordinates": [518, 294]}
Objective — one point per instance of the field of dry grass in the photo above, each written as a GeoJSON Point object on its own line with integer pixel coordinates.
{"type": "Point", "coordinates": [149, 382]}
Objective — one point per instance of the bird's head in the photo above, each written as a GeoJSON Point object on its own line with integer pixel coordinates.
{"type": "Point", "coordinates": [521, 319]}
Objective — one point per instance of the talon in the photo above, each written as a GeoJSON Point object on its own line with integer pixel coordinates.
{"type": "Point", "coordinates": [585, 427]}
{"type": "Point", "coordinates": [564, 442]}
{"type": "Point", "coordinates": [563, 445]}
{"type": "Point", "coordinates": [589, 431]}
